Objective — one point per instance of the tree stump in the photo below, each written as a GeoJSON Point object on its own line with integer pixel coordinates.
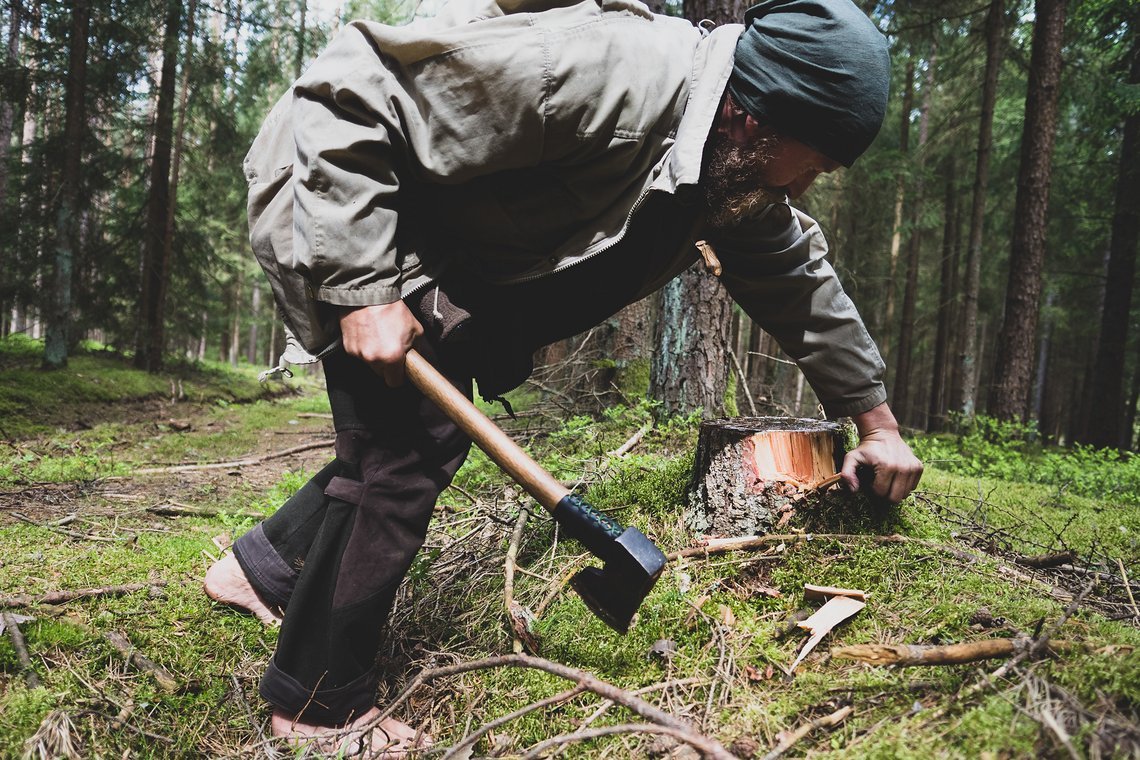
{"type": "Point", "coordinates": [749, 470]}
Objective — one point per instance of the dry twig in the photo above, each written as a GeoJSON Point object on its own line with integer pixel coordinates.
{"type": "Point", "coordinates": [60, 597]}
{"type": "Point", "coordinates": [950, 654]}
{"type": "Point", "coordinates": [788, 739]}
{"type": "Point", "coordinates": [12, 625]}
{"type": "Point", "coordinates": [238, 462]}
{"type": "Point", "coordinates": [660, 721]}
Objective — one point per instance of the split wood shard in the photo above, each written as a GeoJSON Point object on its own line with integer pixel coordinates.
{"type": "Point", "coordinates": [841, 604]}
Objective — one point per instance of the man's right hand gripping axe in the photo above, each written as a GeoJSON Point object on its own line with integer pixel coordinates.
{"type": "Point", "coordinates": [631, 562]}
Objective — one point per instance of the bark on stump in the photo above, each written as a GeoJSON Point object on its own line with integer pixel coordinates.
{"type": "Point", "coordinates": [749, 469]}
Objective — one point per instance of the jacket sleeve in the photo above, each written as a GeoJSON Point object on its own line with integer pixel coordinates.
{"type": "Point", "coordinates": [774, 267]}
{"type": "Point", "coordinates": [367, 129]}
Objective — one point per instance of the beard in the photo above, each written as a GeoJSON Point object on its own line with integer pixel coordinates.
{"type": "Point", "coordinates": [732, 191]}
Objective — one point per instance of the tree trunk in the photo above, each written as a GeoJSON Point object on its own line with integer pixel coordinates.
{"type": "Point", "coordinates": [69, 214]}
{"type": "Point", "coordinates": [255, 318]}
{"type": "Point", "coordinates": [896, 227]}
{"type": "Point", "coordinates": [690, 368]}
{"type": "Point", "coordinates": [902, 384]}
{"type": "Point", "coordinates": [691, 364]}
{"type": "Point", "coordinates": [155, 270]}
{"type": "Point", "coordinates": [9, 101]}
{"type": "Point", "coordinates": [176, 159]}
{"type": "Point", "coordinates": [966, 369]}
{"type": "Point", "coordinates": [936, 414]}
{"type": "Point", "coordinates": [748, 470]}
{"type": "Point", "coordinates": [1014, 371]}
{"type": "Point", "coordinates": [1107, 389]}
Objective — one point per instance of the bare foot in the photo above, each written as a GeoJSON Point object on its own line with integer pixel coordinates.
{"type": "Point", "coordinates": [226, 583]}
{"type": "Point", "coordinates": [388, 740]}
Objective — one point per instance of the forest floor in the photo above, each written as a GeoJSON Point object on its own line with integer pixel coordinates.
{"type": "Point", "coordinates": [95, 498]}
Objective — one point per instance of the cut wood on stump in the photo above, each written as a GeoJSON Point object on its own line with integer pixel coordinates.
{"type": "Point", "coordinates": [749, 469]}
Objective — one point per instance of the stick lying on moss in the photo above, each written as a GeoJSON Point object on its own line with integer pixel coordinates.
{"type": "Point", "coordinates": [950, 654]}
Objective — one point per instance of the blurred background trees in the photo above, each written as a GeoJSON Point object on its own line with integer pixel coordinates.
{"type": "Point", "coordinates": [989, 236]}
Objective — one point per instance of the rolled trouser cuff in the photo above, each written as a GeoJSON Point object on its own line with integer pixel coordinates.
{"type": "Point", "coordinates": [270, 576]}
{"type": "Point", "coordinates": [323, 707]}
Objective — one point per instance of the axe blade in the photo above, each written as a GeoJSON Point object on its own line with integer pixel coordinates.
{"type": "Point", "coordinates": [616, 591]}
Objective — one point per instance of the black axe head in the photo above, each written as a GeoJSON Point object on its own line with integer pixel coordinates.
{"type": "Point", "coordinates": [632, 562]}
{"type": "Point", "coordinates": [615, 591]}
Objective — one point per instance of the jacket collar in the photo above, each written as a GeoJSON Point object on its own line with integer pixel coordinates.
{"type": "Point", "coordinates": [712, 67]}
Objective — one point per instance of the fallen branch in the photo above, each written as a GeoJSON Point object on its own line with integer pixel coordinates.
{"type": "Point", "coordinates": [539, 750]}
{"type": "Point", "coordinates": [788, 739]}
{"type": "Point", "coordinates": [60, 597]}
{"type": "Point", "coordinates": [12, 625]}
{"type": "Point", "coordinates": [660, 721]}
{"type": "Point", "coordinates": [468, 741]}
{"type": "Point", "coordinates": [71, 533]}
{"type": "Point", "coordinates": [1127, 586]}
{"type": "Point", "coordinates": [950, 654]}
{"type": "Point", "coordinates": [183, 510]}
{"type": "Point", "coordinates": [238, 462]}
{"type": "Point", "coordinates": [516, 617]}
{"type": "Point", "coordinates": [632, 441]}
{"type": "Point", "coordinates": [140, 662]}
{"type": "Point", "coordinates": [1043, 561]}
{"type": "Point", "coordinates": [745, 543]}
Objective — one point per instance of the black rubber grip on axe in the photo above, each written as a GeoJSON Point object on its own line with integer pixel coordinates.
{"type": "Point", "coordinates": [588, 526]}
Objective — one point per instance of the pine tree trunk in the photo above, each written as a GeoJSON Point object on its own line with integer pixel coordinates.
{"type": "Point", "coordinates": [69, 214]}
{"type": "Point", "coordinates": [885, 345]}
{"type": "Point", "coordinates": [1014, 372]}
{"type": "Point", "coordinates": [255, 318]}
{"type": "Point", "coordinates": [8, 103]}
{"type": "Point", "coordinates": [966, 369]}
{"type": "Point", "coordinates": [689, 370]}
{"type": "Point", "coordinates": [1108, 371]}
{"type": "Point", "coordinates": [691, 363]}
{"type": "Point", "coordinates": [155, 271]}
{"type": "Point", "coordinates": [902, 384]}
{"type": "Point", "coordinates": [936, 411]}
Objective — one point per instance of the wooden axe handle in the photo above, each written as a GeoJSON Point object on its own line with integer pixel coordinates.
{"type": "Point", "coordinates": [487, 435]}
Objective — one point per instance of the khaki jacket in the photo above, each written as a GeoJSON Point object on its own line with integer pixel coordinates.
{"type": "Point", "coordinates": [522, 135]}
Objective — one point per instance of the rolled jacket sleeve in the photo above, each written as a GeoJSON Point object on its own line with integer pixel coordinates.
{"type": "Point", "coordinates": [774, 267]}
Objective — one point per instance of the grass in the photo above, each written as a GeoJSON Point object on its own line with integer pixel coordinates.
{"type": "Point", "coordinates": [726, 670]}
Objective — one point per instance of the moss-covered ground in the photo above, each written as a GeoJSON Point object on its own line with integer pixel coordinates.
{"type": "Point", "coordinates": [725, 670]}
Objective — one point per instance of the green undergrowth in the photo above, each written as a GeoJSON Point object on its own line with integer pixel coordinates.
{"type": "Point", "coordinates": [34, 401]}
{"type": "Point", "coordinates": [1012, 451]}
{"type": "Point", "coordinates": [721, 615]}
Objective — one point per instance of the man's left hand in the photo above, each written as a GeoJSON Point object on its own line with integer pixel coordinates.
{"type": "Point", "coordinates": [883, 451]}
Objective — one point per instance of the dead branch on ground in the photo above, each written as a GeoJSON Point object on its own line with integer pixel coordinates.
{"type": "Point", "coordinates": [161, 675]}
{"type": "Point", "coordinates": [12, 624]}
{"type": "Point", "coordinates": [72, 533]}
{"type": "Point", "coordinates": [61, 597]}
{"type": "Point", "coordinates": [174, 509]}
{"type": "Point", "coordinates": [659, 720]}
{"type": "Point", "coordinates": [950, 654]}
{"type": "Point", "coordinates": [458, 751]}
{"type": "Point", "coordinates": [788, 739]}
{"type": "Point", "coordinates": [238, 462]}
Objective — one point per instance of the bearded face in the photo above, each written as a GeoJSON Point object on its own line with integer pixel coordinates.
{"type": "Point", "coordinates": [731, 181]}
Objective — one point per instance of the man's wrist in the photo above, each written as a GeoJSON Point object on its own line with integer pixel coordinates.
{"type": "Point", "coordinates": [875, 420]}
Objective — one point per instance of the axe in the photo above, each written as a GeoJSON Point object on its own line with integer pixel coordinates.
{"type": "Point", "coordinates": [631, 562]}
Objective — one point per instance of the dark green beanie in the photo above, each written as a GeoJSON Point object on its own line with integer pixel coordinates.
{"type": "Point", "coordinates": [816, 70]}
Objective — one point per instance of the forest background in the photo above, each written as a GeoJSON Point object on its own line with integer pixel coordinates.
{"type": "Point", "coordinates": [988, 236]}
